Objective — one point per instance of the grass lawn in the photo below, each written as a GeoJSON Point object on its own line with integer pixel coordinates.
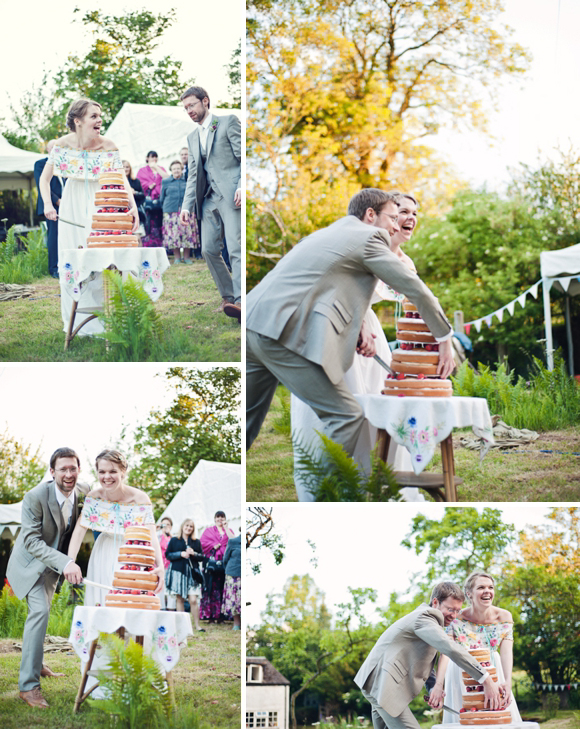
{"type": "Point", "coordinates": [207, 676]}
{"type": "Point", "coordinates": [31, 329]}
{"type": "Point", "coordinates": [502, 476]}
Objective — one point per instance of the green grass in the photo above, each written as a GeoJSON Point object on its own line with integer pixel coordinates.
{"type": "Point", "coordinates": [207, 677]}
{"type": "Point", "coordinates": [31, 329]}
{"type": "Point", "coordinates": [502, 475]}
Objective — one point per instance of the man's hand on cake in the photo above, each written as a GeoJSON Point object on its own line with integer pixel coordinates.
{"type": "Point", "coordinates": [49, 212]}
{"type": "Point", "coordinates": [160, 572]}
{"type": "Point", "coordinates": [72, 573]}
{"type": "Point", "coordinates": [492, 698]}
{"type": "Point", "coordinates": [446, 361]}
{"type": "Point", "coordinates": [366, 342]}
{"type": "Point", "coordinates": [436, 697]}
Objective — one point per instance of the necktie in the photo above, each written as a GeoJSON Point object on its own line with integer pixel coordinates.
{"type": "Point", "coordinates": [66, 510]}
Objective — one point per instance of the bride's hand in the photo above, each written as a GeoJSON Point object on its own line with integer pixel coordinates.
{"type": "Point", "coordinates": [160, 572]}
{"type": "Point", "coordinates": [135, 213]}
{"type": "Point", "coordinates": [505, 695]}
{"type": "Point", "coordinates": [436, 697]}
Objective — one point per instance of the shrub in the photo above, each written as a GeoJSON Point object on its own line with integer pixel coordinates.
{"type": "Point", "coordinates": [13, 612]}
{"type": "Point", "coordinates": [132, 326]}
{"type": "Point", "coordinates": [23, 267]}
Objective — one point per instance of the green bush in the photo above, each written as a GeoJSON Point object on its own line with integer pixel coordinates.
{"type": "Point", "coordinates": [132, 325]}
{"type": "Point", "coordinates": [547, 401]}
{"type": "Point", "coordinates": [13, 612]}
{"type": "Point", "coordinates": [23, 267]}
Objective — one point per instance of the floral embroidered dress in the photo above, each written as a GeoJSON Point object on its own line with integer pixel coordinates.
{"type": "Point", "coordinates": [110, 519]}
{"type": "Point", "coordinates": [80, 169]}
{"type": "Point", "coordinates": [470, 636]}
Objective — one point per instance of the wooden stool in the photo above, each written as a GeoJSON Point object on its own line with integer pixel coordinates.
{"type": "Point", "coordinates": [82, 694]}
{"type": "Point", "coordinates": [70, 335]}
{"type": "Point", "coordinates": [442, 486]}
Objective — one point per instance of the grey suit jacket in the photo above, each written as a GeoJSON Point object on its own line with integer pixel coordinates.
{"type": "Point", "coordinates": [398, 666]}
{"type": "Point", "coordinates": [315, 299]}
{"type": "Point", "coordinates": [36, 546]}
{"type": "Point", "coordinates": [224, 156]}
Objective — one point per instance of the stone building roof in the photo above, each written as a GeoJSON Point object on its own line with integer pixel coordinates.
{"type": "Point", "coordinates": [272, 677]}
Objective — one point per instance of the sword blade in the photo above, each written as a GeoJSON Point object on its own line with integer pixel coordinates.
{"type": "Point", "coordinates": [70, 222]}
{"type": "Point", "coordinates": [383, 364]}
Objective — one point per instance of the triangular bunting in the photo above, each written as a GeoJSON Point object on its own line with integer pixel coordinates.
{"type": "Point", "coordinates": [499, 314]}
{"type": "Point", "coordinates": [534, 290]}
{"type": "Point", "coordinates": [565, 283]}
{"type": "Point", "coordinates": [467, 329]}
{"type": "Point", "coordinates": [511, 307]}
{"type": "Point", "coordinates": [522, 300]}
{"type": "Point", "coordinates": [487, 320]}
{"type": "Point", "coordinates": [548, 283]}
{"type": "Point", "coordinates": [477, 324]}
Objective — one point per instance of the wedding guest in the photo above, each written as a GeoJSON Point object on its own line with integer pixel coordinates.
{"type": "Point", "coordinates": [184, 579]}
{"type": "Point", "coordinates": [138, 193]}
{"type": "Point", "coordinates": [183, 156]}
{"type": "Point", "coordinates": [164, 536]}
{"type": "Point", "coordinates": [214, 190]}
{"type": "Point", "coordinates": [214, 542]}
{"type": "Point", "coordinates": [150, 178]}
{"type": "Point", "coordinates": [233, 569]}
{"type": "Point", "coordinates": [51, 225]}
{"type": "Point", "coordinates": [177, 234]}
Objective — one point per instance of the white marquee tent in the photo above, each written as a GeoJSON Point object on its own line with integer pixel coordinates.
{"type": "Point", "coordinates": [211, 487]}
{"type": "Point", "coordinates": [140, 128]}
{"type": "Point", "coordinates": [10, 519]}
{"type": "Point", "coordinates": [560, 270]}
{"type": "Point", "coordinates": [17, 169]}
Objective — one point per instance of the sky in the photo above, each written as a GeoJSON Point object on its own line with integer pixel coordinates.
{"type": "Point", "coordinates": [83, 406]}
{"type": "Point", "coordinates": [40, 37]}
{"type": "Point", "coordinates": [356, 546]}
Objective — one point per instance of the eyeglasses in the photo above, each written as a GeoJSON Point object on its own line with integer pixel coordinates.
{"type": "Point", "coordinates": [394, 218]}
{"type": "Point", "coordinates": [72, 471]}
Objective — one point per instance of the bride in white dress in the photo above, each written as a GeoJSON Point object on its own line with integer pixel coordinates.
{"type": "Point", "coordinates": [364, 377]}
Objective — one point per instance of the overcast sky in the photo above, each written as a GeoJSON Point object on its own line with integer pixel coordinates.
{"type": "Point", "coordinates": [37, 36]}
{"type": "Point", "coordinates": [83, 406]}
{"type": "Point", "coordinates": [357, 545]}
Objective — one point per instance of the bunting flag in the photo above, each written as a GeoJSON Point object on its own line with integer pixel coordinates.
{"type": "Point", "coordinates": [564, 281]}
{"type": "Point", "coordinates": [467, 329]}
{"type": "Point", "coordinates": [556, 686]}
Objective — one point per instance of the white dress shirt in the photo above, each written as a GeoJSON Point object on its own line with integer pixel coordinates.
{"type": "Point", "coordinates": [61, 498]}
{"type": "Point", "coordinates": [204, 131]}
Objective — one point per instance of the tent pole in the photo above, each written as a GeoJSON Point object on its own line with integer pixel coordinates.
{"type": "Point", "coordinates": [546, 286]}
{"type": "Point", "coordinates": [30, 208]}
{"type": "Point", "coordinates": [569, 338]}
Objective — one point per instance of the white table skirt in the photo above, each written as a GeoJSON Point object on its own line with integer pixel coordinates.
{"type": "Point", "coordinates": [77, 266]}
{"type": "Point", "coordinates": [515, 725]}
{"type": "Point", "coordinates": [420, 423]}
{"type": "Point", "coordinates": [166, 632]}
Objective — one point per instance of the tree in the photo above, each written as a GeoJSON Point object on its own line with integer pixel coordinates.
{"type": "Point", "coordinates": [343, 95]}
{"type": "Point", "coordinates": [297, 636]}
{"type": "Point", "coordinates": [462, 541]}
{"type": "Point", "coordinates": [260, 535]}
{"type": "Point", "coordinates": [203, 421]}
{"type": "Point", "coordinates": [555, 548]}
{"type": "Point", "coordinates": [21, 468]}
{"type": "Point", "coordinates": [235, 73]}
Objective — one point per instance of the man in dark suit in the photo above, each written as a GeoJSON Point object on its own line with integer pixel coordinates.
{"type": "Point", "coordinates": [49, 515]}
{"type": "Point", "coordinates": [51, 225]}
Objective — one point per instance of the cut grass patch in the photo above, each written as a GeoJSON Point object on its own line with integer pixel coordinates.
{"type": "Point", "coordinates": [31, 329]}
{"type": "Point", "coordinates": [502, 475]}
{"type": "Point", "coordinates": [208, 676]}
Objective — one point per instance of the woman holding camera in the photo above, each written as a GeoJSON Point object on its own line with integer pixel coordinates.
{"type": "Point", "coordinates": [183, 578]}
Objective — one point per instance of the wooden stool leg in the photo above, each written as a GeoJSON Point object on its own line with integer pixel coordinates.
{"type": "Point", "coordinates": [384, 441]}
{"type": "Point", "coordinates": [170, 687]}
{"type": "Point", "coordinates": [448, 469]}
{"type": "Point", "coordinates": [69, 334]}
{"type": "Point", "coordinates": [89, 663]}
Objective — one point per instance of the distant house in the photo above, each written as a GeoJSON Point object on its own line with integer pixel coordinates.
{"type": "Point", "coordinates": [267, 695]}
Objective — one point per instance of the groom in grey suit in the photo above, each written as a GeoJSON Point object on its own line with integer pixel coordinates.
{"type": "Point", "coordinates": [305, 319]}
{"type": "Point", "coordinates": [49, 514]}
{"type": "Point", "coordinates": [398, 666]}
{"type": "Point", "coordinates": [214, 188]}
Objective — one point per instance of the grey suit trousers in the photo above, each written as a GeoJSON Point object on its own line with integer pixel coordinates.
{"type": "Point", "coordinates": [383, 720]}
{"type": "Point", "coordinates": [268, 363]}
{"type": "Point", "coordinates": [39, 599]}
{"type": "Point", "coordinates": [220, 220]}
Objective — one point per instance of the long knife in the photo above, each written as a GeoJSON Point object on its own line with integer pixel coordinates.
{"type": "Point", "coordinates": [96, 584]}
{"type": "Point", "coordinates": [446, 708]}
{"type": "Point", "coordinates": [70, 222]}
{"type": "Point", "coordinates": [384, 365]}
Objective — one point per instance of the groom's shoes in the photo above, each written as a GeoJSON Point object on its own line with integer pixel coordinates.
{"type": "Point", "coordinates": [34, 698]}
{"type": "Point", "coordinates": [233, 310]}
{"type": "Point", "coordinates": [47, 673]}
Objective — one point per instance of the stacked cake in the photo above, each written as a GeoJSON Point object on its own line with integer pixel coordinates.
{"type": "Point", "coordinates": [415, 361]}
{"type": "Point", "coordinates": [134, 582]}
{"type": "Point", "coordinates": [112, 221]}
{"type": "Point", "coordinates": [472, 711]}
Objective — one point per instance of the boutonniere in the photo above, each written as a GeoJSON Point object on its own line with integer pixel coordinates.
{"type": "Point", "coordinates": [214, 125]}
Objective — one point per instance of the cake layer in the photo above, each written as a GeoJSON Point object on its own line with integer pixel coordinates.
{"type": "Point", "coordinates": [148, 577]}
{"type": "Point", "coordinates": [395, 392]}
{"type": "Point", "coordinates": [113, 193]}
{"type": "Point", "coordinates": [136, 532]}
{"type": "Point", "coordinates": [111, 178]}
{"type": "Point", "coordinates": [407, 335]}
{"type": "Point", "coordinates": [112, 225]}
{"type": "Point", "coordinates": [480, 654]}
{"type": "Point", "coordinates": [468, 681]}
{"type": "Point", "coordinates": [138, 559]}
{"type": "Point", "coordinates": [139, 602]}
{"type": "Point", "coordinates": [485, 717]}
{"type": "Point", "coordinates": [134, 584]}
{"type": "Point", "coordinates": [408, 306]}
{"type": "Point", "coordinates": [419, 356]}
{"type": "Point", "coordinates": [415, 325]}
{"type": "Point", "coordinates": [414, 368]}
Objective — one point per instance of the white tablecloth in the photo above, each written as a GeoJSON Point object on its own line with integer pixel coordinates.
{"type": "Point", "coordinates": [420, 423]}
{"type": "Point", "coordinates": [518, 725]}
{"type": "Point", "coordinates": [77, 265]}
{"type": "Point", "coordinates": [165, 632]}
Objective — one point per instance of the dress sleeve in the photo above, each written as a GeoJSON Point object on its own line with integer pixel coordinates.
{"type": "Point", "coordinates": [117, 163]}
{"type": "Point", "coordinates": [52, 156]}
{"type": "Point", "coordinates": [507, 632]}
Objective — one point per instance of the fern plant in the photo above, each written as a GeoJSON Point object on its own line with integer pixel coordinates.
{"type": "Point", "coordinates": [23, 267]}
{"type": "Point", "coordinates": [138, 697]}
{"type": "Point", "coordinates": [333, 475]}
{"type": "Point", "coordinates": [132, 325]}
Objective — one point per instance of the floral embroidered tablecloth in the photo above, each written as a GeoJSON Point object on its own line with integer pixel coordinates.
{"type": "Point", "coordinates": [165, 632]}
{"type": "Point", "coordinates": [420, 423]}
{"type": "Point", "coordinates": [77, 265]}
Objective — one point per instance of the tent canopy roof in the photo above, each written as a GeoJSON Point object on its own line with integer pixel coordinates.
{"type": "Point", "coordinates": [563, 262]}
{"type": "Point", "coordinates": [16, 166]}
